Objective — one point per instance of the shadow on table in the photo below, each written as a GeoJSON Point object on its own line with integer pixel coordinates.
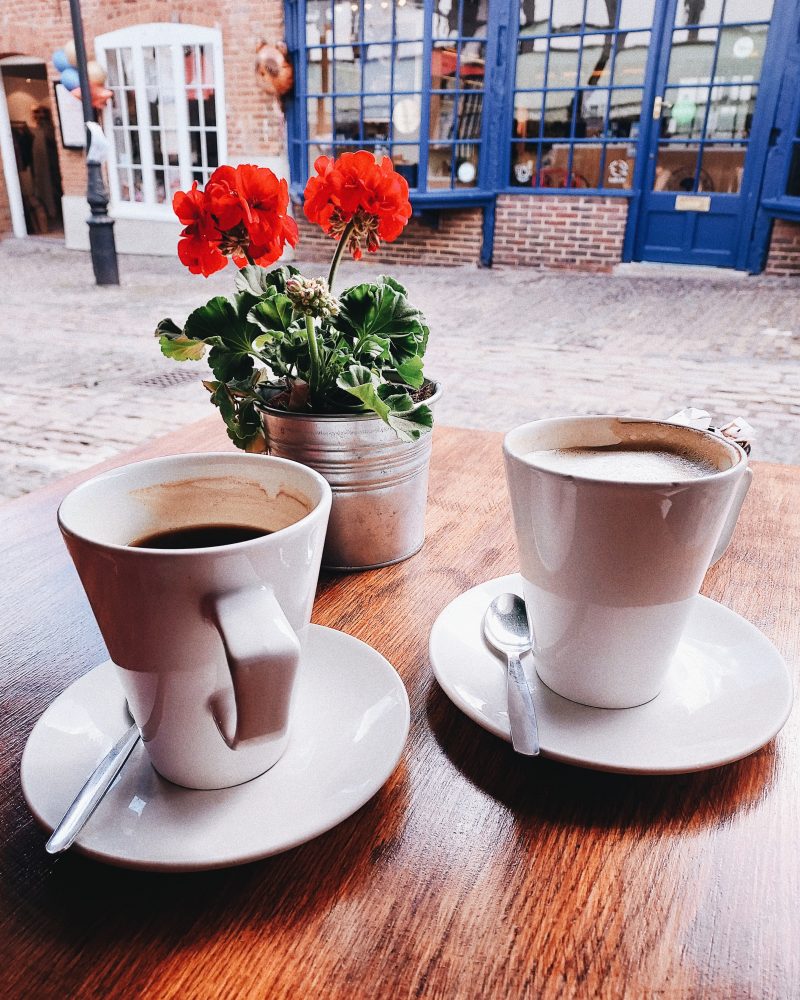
{"type": "Point", "coordinates": [70, 899]}
{"type": "Point", "coordinates": [538, 789]}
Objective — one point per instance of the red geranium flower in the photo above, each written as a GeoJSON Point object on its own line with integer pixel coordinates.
{"type": "Point", "coordinates": [198, 246]}
{"type": "Point", "coordinates": [358, 192]}
{"type": "Point", "coordinates": [241, 214]}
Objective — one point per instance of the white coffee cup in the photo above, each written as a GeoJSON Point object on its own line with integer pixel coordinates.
{"type": "Point", "coordinates": [206, 640]}
{"type": "Point", "coordinates": [610, 567]}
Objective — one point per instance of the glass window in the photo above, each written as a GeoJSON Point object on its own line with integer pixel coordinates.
{"type": "Point", "coordinates": [367, 85]}
{"type": "Point", "coordinates": [163, 117]}
{"type": "Point", "coordinates": [578, 93]}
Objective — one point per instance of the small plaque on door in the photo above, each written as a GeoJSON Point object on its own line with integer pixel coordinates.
{"type": "Point", "coordinates": [692, 203]}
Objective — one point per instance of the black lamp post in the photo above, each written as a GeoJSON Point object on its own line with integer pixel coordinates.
{"type": "Point", "coordinates": [101, 226]}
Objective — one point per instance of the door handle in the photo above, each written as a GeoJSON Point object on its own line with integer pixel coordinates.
{"type": "Point", "coordinates": [660, 105]}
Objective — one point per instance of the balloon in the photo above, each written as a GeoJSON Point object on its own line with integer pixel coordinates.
{"type": "Point", "coordinates": [60, 60]}
{"type": "Point", "coordinates": [70, 78]}
{"type": "Point", "coordinates": [100, 95]}
{"type": "Point", "coordinates": [69, 52]}
{"type": "Point", "coordinates": [96, 72]}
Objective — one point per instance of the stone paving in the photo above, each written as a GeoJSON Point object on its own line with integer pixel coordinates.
{"type": "Point", "coordinates": [84, 378]}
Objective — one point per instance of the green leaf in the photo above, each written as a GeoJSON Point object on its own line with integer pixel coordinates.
{"type": "Point", "coordinates": [410, 371]}
{"type": "Point", "coordinates": [408, 419]}
{"type": "Point", "coordinates": [241, 417]}
{"type": "Point", "coordinates": [274, 315]}
{"type": "Point", "coordinates": [182, 348]}
{"type": "Point", "coordinates": [219, 324]}
{"type": "Point", "coordinates": [176, 345]}
{"type": "Point", "coordinates": [258, 280]}
{"type": "Point", "coordinates": [385, 279]}
{"type": "Point", "coordinates": [380, 310]}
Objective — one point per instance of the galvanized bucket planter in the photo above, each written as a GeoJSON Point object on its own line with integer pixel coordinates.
{"type": "Point", "coordinates": [379, 483]}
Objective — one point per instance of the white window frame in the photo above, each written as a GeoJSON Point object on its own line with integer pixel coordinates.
{"type": "Point", "coordinates": [174, 36]}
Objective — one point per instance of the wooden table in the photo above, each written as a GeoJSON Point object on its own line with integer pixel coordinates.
{"type": "Point", "coordinates": [473, 873]}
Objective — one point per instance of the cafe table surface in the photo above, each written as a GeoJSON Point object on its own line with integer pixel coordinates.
{"type": "Point", "coordinates": [473, 872]}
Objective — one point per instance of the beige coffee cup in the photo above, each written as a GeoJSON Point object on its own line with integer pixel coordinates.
{"type": "Point", "coordinates": [610, 567]}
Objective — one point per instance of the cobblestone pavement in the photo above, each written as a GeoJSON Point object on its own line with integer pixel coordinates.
{"type": "Point", "coordinates": [84, 378]}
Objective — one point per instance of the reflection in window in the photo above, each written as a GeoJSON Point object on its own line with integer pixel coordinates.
{"type": "Point", "coordinates": [367, 81]}
{"type": "Point", "coordinates": [578, 92]}
{"type": "Point", "coordinates": [163, 112]}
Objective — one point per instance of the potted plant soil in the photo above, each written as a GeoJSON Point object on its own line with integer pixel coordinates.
{"type": "Point", "coordinates": [333, 381]}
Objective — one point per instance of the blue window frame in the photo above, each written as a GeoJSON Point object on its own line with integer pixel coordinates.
{"type": "Point", "coordinates": [577, 83]}
{"type": "Point", "coordinates": [405, 78]}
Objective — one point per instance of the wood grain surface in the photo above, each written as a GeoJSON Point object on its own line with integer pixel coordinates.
{"type": "Point", "coordinates": [473, 873]}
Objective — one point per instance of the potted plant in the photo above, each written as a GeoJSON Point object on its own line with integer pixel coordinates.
{"type": "Point", "coordinates": [333, 381]}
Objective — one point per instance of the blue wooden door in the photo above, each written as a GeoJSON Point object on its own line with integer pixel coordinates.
{"type": "Point", "coordinates": [707, 137]}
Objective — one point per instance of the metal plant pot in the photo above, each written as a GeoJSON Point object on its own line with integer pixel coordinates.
{"type": "Point", "coordinates": [379, 483]}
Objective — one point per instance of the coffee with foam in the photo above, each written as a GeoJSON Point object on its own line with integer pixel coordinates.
{"type": "Point", "coordinates": [626, 463]}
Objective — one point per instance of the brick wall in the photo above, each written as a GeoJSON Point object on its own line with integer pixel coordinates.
{"type": "Point", "coordinates": [254, 120]}
{"type": "Point", "coordinates": [784, 248]}
{"type": "Point", "coordinates": [560, 231]}
{"type": "Point", "coordinates": [456, 240]}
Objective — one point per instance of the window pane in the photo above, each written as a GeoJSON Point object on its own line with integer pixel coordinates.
{"type": "Point", "coordinates": [731, 113]}
{"type": "Point", "coordinates": [631, 58]}
{"type": "Point", "coordinates": [619, 166]}
{"type": "Point", "coordinates": [376, 115]}
{"type": "Point", "coordinates": [523, 164]}
{"type": "Point", "coordinates": [567, 15]}
{"type": "Point", "coordinates": [636, 14]}
{"type": "Point", "coordinates": [469, 116]}
{"type": "Point", "coordinates": [406, 116]}
{"type": "Point", "coordinates": [692, 59]}
{"type": "Point", "coordinates": [377, 68]}
{"type": "Point", "coordinates": [527, 115]}
{"type": "Point", "coordinates": [698, 12]}
{"type": "Point", "coordinates": [466, 165]}
{"type": "Point", "coordinates": [406, 162]}
{"type": "Point", "coordinates": [741, 53]}
{"type": "Point", "coordinates": [473, 18]}
{"type": "Point", "coordinates": [558, 107]}
{"type": "Point", "coordinates": [320, 117]}
{"type": "Point", "coordinates": [596, 60]}
{"type": "Point", "coordinates": [675, 169]}
{"type": "Point", "coordinates": [318, 21]}
{"type": "Point", "coordinates": [377, 21]}
{"type": "Point", "coordinates": [442, 116]}
{"type": "Point", "coordinates": [748, 10]}
{"type": "Point", "coordinates": [530, 62]}
{"type": "Point", "coordinates": [408, 66]}
{"type": "Point", "coordinates": [562, 70]}
{"type": "Point", "coordinates": [722, 168]}
{"type": "Point", "coordinates": [601, 14]}
{"type": "Point", "coordinates": [410, 19]}
{"type": "Point", "coordinates": [440, 161]}
{"type": "Point", "coordinates": [684, 112]}
{"type": "Point", "coordinates": [533, 15]}
{"type": "Point", "coordinates": [793, 183]}
{"type": "Point", "coordinates": [625, 113]}
{"type": "Point", "coordinates": [553, 167]}
{"type": "Point", "coordinates": [126, 67]}
{"type": "Point", "coordinates": [112, 70]}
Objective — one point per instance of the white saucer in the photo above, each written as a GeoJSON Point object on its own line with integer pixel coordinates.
{"type": "Point", "coordinates": [349, 727]}
{"type": "Point", "coordinates": [727, 694]}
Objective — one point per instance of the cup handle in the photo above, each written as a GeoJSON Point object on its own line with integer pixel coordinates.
{"type": "Point", "coordinates": [733, 515]}
{"type": "Point", "coordinates": [263, 653]}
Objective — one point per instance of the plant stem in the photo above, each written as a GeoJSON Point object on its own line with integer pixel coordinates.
{"type": "Point", "coordinates": [343, 240]}
{"type": "Point", "coordinates": [313, 353]}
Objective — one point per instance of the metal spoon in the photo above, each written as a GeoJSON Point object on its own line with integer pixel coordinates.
{"type": "Point", "coordinates": [505, 626]}
{"type": "Point", "coordinates": [91, 795]}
